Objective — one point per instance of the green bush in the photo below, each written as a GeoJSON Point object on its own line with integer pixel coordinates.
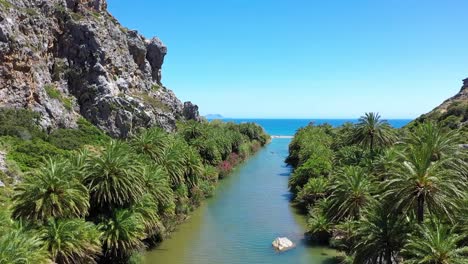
{"type": "Point", "coordinates": [71, 139]}
{"type": "Point", "coordinates": [316, 166]}
{"type": "Point", "coordinates": [451, 122]}
{"type": "Point", "coordinates": [29, 154]}
{"type": "Point", "coordinates": [20, 123]}
{"type": "Point", "coordinates": [314, 189]}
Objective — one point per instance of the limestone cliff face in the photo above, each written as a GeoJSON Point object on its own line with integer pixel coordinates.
{"type": "Point", "coordinates": [71, 58]}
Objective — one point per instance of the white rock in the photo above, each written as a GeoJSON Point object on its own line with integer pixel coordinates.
{"type": "Point", "coordinates": [282, 244]}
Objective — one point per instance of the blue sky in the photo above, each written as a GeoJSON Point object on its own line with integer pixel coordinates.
{"type": "Point", "coordinates": [305, 58]}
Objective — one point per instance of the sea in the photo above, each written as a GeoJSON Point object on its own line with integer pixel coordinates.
{"type": "Point", "coordinates": [288, 127]}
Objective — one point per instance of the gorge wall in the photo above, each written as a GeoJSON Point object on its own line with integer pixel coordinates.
{"type": "Point", "coordinates": [68, 59]}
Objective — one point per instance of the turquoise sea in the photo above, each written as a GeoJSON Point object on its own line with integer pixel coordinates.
{"type": "Point", "coordinates": [249, 209]}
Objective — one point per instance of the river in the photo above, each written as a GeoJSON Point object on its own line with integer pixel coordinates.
{"type": "Point", "coordinates": [249, 210]}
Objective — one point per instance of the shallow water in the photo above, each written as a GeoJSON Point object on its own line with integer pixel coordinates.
{"type": "Point", "coordinates": [249, 210]}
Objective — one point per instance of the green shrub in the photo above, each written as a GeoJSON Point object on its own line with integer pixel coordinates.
{"type": "Point", "coordinates": [52, 92]}
{"type": "Point", "coordinates": [70, 139]}
{"type": "Point", "coordinates": [451, 122]}
{"type": "Point", "coordinates": [29, 154]}
{"type": "Point", "coordinates": [314, 167]}
{"type": "Point", "coordinates": [254, 132]}
{"type": "Point", "coordinates": [21, 123]}
{"type": "Point", "coordinates": [244, 151]}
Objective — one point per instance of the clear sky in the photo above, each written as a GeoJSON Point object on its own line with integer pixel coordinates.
{"type": "Point", "coordinates": [307, 58]}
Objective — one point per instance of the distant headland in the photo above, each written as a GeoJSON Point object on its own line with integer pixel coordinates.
{"type": "Point", "coordinates": [214, 116]}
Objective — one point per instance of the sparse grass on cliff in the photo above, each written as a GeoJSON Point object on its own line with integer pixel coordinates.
{"type": "Point", "coordinates": [5, 4]}
{"type": "Point", "coordinates": [52, 91]}
{"type": "Point", "coordinates": [153, 101]}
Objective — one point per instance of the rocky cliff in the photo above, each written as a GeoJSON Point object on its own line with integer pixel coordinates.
{"type": "Point", "coordinates": [452, 113]}
{"type": "Point", "coordinates": [460, 98]}
{"type": "Point", "coordinates": [70, 58]}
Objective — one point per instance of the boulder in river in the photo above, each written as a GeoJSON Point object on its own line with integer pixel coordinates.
{"type": "Point", "coordinates": [282, 244]}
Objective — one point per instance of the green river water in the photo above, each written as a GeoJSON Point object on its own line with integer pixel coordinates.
{"type": "Point", "coordinates": [248, 211]}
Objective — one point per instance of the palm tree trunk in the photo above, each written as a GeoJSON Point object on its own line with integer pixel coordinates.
{"type": "Point", "coordinates": [372, 143]}
{"type": "Point", "coordinates": [420, 209]}
{"type": "Point", "coordinates": [388, 256]}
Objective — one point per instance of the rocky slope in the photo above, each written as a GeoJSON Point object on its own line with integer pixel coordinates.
{"type": "Point", "coordinates": [452, 113]}
{"type": "Point", "coordinates": [70, 58]}
{"type": "Point", "coordinates": [460, 98]}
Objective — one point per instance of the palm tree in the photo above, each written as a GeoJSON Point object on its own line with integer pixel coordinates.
{"type": "Point", "coordinates": [193, 167]}
{"type": "Point", "coordinates": [435, 244]}
{"type": "Point", "coordinates": [114, 177]}
{"type": "Point", "coordinates": [419, 183]}
{"type": "Point", "coordinates": [147, 208]}
{"type": "Point", "coordinates": [71, 241]}
{"type": "Point", "coordinates": [151, 142]}
{"type": "Point", "coordinates": [20, 247]}
{"type": "Point", "coordinates": [172, 161]}
{"type": "Point", "coordinates": [157, 184]}
{"type": "Point", "coordinates": [372, 132]}
{"type": "Point", "coordinates": [380, 236]}
{"type": "Point", "coordinates": [79, 162]}
{"type": "Point", "coordinates": [314, 189]}
{"type": "Point", "coordinates": [351, 190]}
{"type": "Point", "coordinates": [344, 236]}
{"type": "Point", "coordinates": [192, 130]}
{"type": "Point", "coordinates": [319, 227]}
{"type": "Point", "coordinates": [442, 143]}
{"type": "Point", "coordinates": [52, 191]}
{"type": "Point", "coordinates": [122, 235]}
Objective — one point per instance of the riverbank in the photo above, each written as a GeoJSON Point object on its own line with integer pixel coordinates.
{"type": "Point", "coordinates": [362, 187]}
{"type": "Point", "coordinates": [92, 189]}
{"type": "Point", "coordinates": [248, 210]}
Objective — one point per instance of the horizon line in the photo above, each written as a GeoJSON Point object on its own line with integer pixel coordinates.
{"type": "Point", "coordinates": [314, 118]}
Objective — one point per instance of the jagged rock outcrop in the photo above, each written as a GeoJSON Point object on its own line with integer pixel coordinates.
{"type": "Point", "coordinates": [70, 58]}
{"type": "Point", "coordinates": [191, 111]}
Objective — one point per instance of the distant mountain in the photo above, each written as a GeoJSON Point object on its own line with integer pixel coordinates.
{"type": "Point", "coordinates": [214, 116]}
{"type": "Point", "coordinates": [452, 113]}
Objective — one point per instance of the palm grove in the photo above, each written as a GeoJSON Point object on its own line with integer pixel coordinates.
{"type": "Point", "coordinates": [98, 200]}
{"type": "Point", "coordinates": [382, 195]}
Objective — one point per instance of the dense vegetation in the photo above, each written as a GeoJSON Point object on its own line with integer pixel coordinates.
{"type": "Point", "coordinates": [455, 117]}
{"type": "Point", "coordinates": [77, 196]}
{"type": "Point", "coordinates": [382, 195]}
